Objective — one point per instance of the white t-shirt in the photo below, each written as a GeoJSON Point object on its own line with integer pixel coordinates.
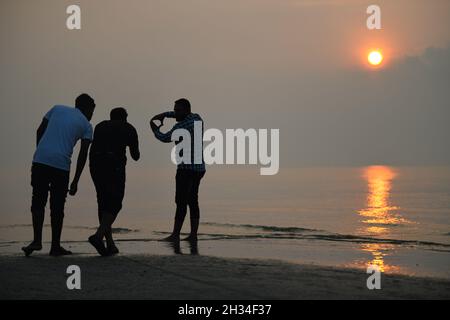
{"type": "Point", "coordinates": [66, 125]}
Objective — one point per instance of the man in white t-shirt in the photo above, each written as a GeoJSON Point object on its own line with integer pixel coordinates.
{"type": "Point", "coordinates": [57, 135]}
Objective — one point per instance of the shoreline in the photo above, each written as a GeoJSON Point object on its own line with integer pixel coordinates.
{"type": "Point", "coordinates": [183, 277]}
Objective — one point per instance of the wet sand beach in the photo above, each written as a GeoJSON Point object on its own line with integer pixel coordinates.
{"type": "Point", "coordinates": [199, 277]}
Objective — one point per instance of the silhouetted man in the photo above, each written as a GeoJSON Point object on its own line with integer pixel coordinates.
{"type": "Point", "coordinates": [188, 175]}
{"type": "Point", "coordinates": [57, 135]}
{"type": "Point", "coordinates": [107, 160]}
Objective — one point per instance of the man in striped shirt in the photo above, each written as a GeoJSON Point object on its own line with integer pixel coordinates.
{"type": "Point", "coordinates": [188, 175]}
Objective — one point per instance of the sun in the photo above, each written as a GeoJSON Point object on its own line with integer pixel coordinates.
{"type": "Point", "coordinates": [375, 58]}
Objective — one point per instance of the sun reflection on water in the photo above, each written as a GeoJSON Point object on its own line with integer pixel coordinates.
{"type": "Point", "coordinates": [380, 215]}
{"type": "Point", "coordinates": [379, 212]}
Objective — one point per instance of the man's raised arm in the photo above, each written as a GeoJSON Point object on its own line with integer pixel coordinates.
{"type": "Point", "coordinates": [163, 137]}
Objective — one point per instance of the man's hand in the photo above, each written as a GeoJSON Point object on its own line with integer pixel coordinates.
{"type": "Point", "coordinates": [73, 188]}
{"type": "Point", "coordinates": [154, 126]}
{"type": "Point", "coordinates": [158, 117]}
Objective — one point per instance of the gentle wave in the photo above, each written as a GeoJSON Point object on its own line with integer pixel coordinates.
{"type": "Point", "coordinates": [262, 227]}
{"type": "Point", "coordinates": [296, 233]}
{"type": "Point", "coordinates": [269, 232]}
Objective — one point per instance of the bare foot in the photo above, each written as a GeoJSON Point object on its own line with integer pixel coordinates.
{"type": "Point", "coordinates": [98, 245]}
{"type": "Point", "coordinates": [59, 251]}
{"type": "Point", "coordinates": [32, 247]}
{"type": "Point", "coordinates": [171, 238]}
{"type": "Point", "coordinates": [191, 238]}
{"type": "Point", "coordinates": [112, 249]}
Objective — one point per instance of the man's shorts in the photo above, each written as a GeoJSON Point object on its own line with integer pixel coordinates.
{"type": "Point", "coordinates": [109, 183]}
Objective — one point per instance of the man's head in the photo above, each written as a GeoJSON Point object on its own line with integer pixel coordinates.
{"type": "Point", "coordinates": [119, 114]}
{"type": "Point", "coordinates": [85, 104]}
{"type": "Point", "coordinates": [182, 108]}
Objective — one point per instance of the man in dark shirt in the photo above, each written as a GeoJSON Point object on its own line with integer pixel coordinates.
{"type": "Point", "coordinates": [107, 165]}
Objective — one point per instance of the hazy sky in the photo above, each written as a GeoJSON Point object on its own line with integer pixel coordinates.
{"type": "Point", "coordinates": [296, 65]}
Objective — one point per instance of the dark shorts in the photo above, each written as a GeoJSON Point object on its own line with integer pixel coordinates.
{"type": "Point", "coordinates": [109, 183]}
{"type": "Point", "coordinates": [45, 179]}
{"type": "Point", "coordinates": [187, 186]}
